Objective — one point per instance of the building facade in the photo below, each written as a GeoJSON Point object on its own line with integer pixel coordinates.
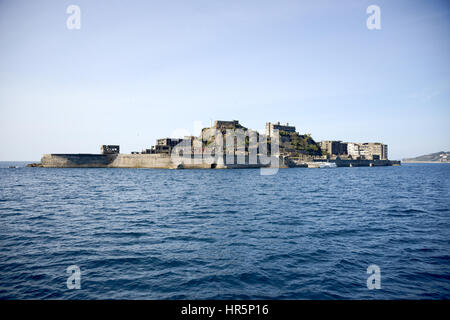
{"type": "Point", "coordinates": [220, 124]}
{"type": "Point", "coordinates": [353, 150]}
{"type": "Point", "coordinates": [164, 145]}
{"type": "Point", "coordinates": [270, 127]}
{"type": "Point", "coordinates": [368, 150]}
{"type": "Point", "coordinates": [109, 149]}
{"type": "Point", "coordinates": [335, 148]}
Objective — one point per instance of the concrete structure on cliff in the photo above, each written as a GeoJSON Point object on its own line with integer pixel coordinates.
{"type": "Point", "coordinates": [270, 127]}
{"type": "Point", "coordinates": [220, 124]}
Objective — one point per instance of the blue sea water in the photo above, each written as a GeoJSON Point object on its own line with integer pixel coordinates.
{"type": "Point", "coordinates": [225, 234]}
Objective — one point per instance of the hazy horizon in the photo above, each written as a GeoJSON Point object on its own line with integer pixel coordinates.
{"type": "Point", "coordinates": [143, 70]}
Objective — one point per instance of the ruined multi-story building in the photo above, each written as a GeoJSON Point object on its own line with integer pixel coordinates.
{"type": "Point", "coordinates": [219, 124]}
{"type": "Point", "coordinates": [353, 150]}
{"type": "Point", "coordinates": [270, 127]}
{"type": "Point", "coordinates": [377, 150]}
{"type": "Point", "coordinates": [164, 145]}
{"type": "Point", "coordinates": [368, 150]}
{"type": "Point", "coordinates": [334, 148]}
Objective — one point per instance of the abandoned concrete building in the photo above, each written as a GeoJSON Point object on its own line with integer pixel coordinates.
{"type": "Point", "coordinates": [368, 150]}
{"type": "Point", "coordinates": [109, 149]}
{"type": "Point", "coordinates": [219, 124]}
{"type": "Point", "coordinates": [164, 145]}
{"type": "Point", "coordinates": [270, 127]}
{"type": "Point", "coordinates": [334, 148]}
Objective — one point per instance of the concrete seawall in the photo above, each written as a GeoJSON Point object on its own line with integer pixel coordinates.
{"type": "Point", "coordinates": [106, 161]}
{"type": "Point", "coordinates": [76, 160]}
{"type": "Point", "coordinates": [165, 161]}
{"type": "Point", "coordinates": [366, 163]}
{"type": "Point", "coordinates": [157, 161]}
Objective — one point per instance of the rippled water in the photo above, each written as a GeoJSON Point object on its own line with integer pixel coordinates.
{"type": "Point", "coordinates": [225, 234]}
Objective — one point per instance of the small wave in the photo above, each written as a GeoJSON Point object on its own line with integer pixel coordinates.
{"type": "Point", "coordinates": [189, 239]}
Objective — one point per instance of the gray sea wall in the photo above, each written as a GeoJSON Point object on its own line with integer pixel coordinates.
{"type": "Point", "coordinates": [161, 161]}
{"type": "Point", "coordinates": [165, 161]}
{"type": "Point", "coordinates": [106, 161]}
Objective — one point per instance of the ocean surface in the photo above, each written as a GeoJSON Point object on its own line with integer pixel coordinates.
{"type": "Point", "coordinates": [225, 234]}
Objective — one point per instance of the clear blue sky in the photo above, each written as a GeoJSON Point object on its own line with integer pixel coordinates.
{"type": "Point", "coordinates": [138, 70]}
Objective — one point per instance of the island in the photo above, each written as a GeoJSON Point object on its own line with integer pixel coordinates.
{"type": "Point", "coordinates": [437, 157]}
{"type": "Point", "coordinates": [280, 146]}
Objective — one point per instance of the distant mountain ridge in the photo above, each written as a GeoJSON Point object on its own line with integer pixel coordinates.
{"type": "Point", "coordinates": [442, 156]}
